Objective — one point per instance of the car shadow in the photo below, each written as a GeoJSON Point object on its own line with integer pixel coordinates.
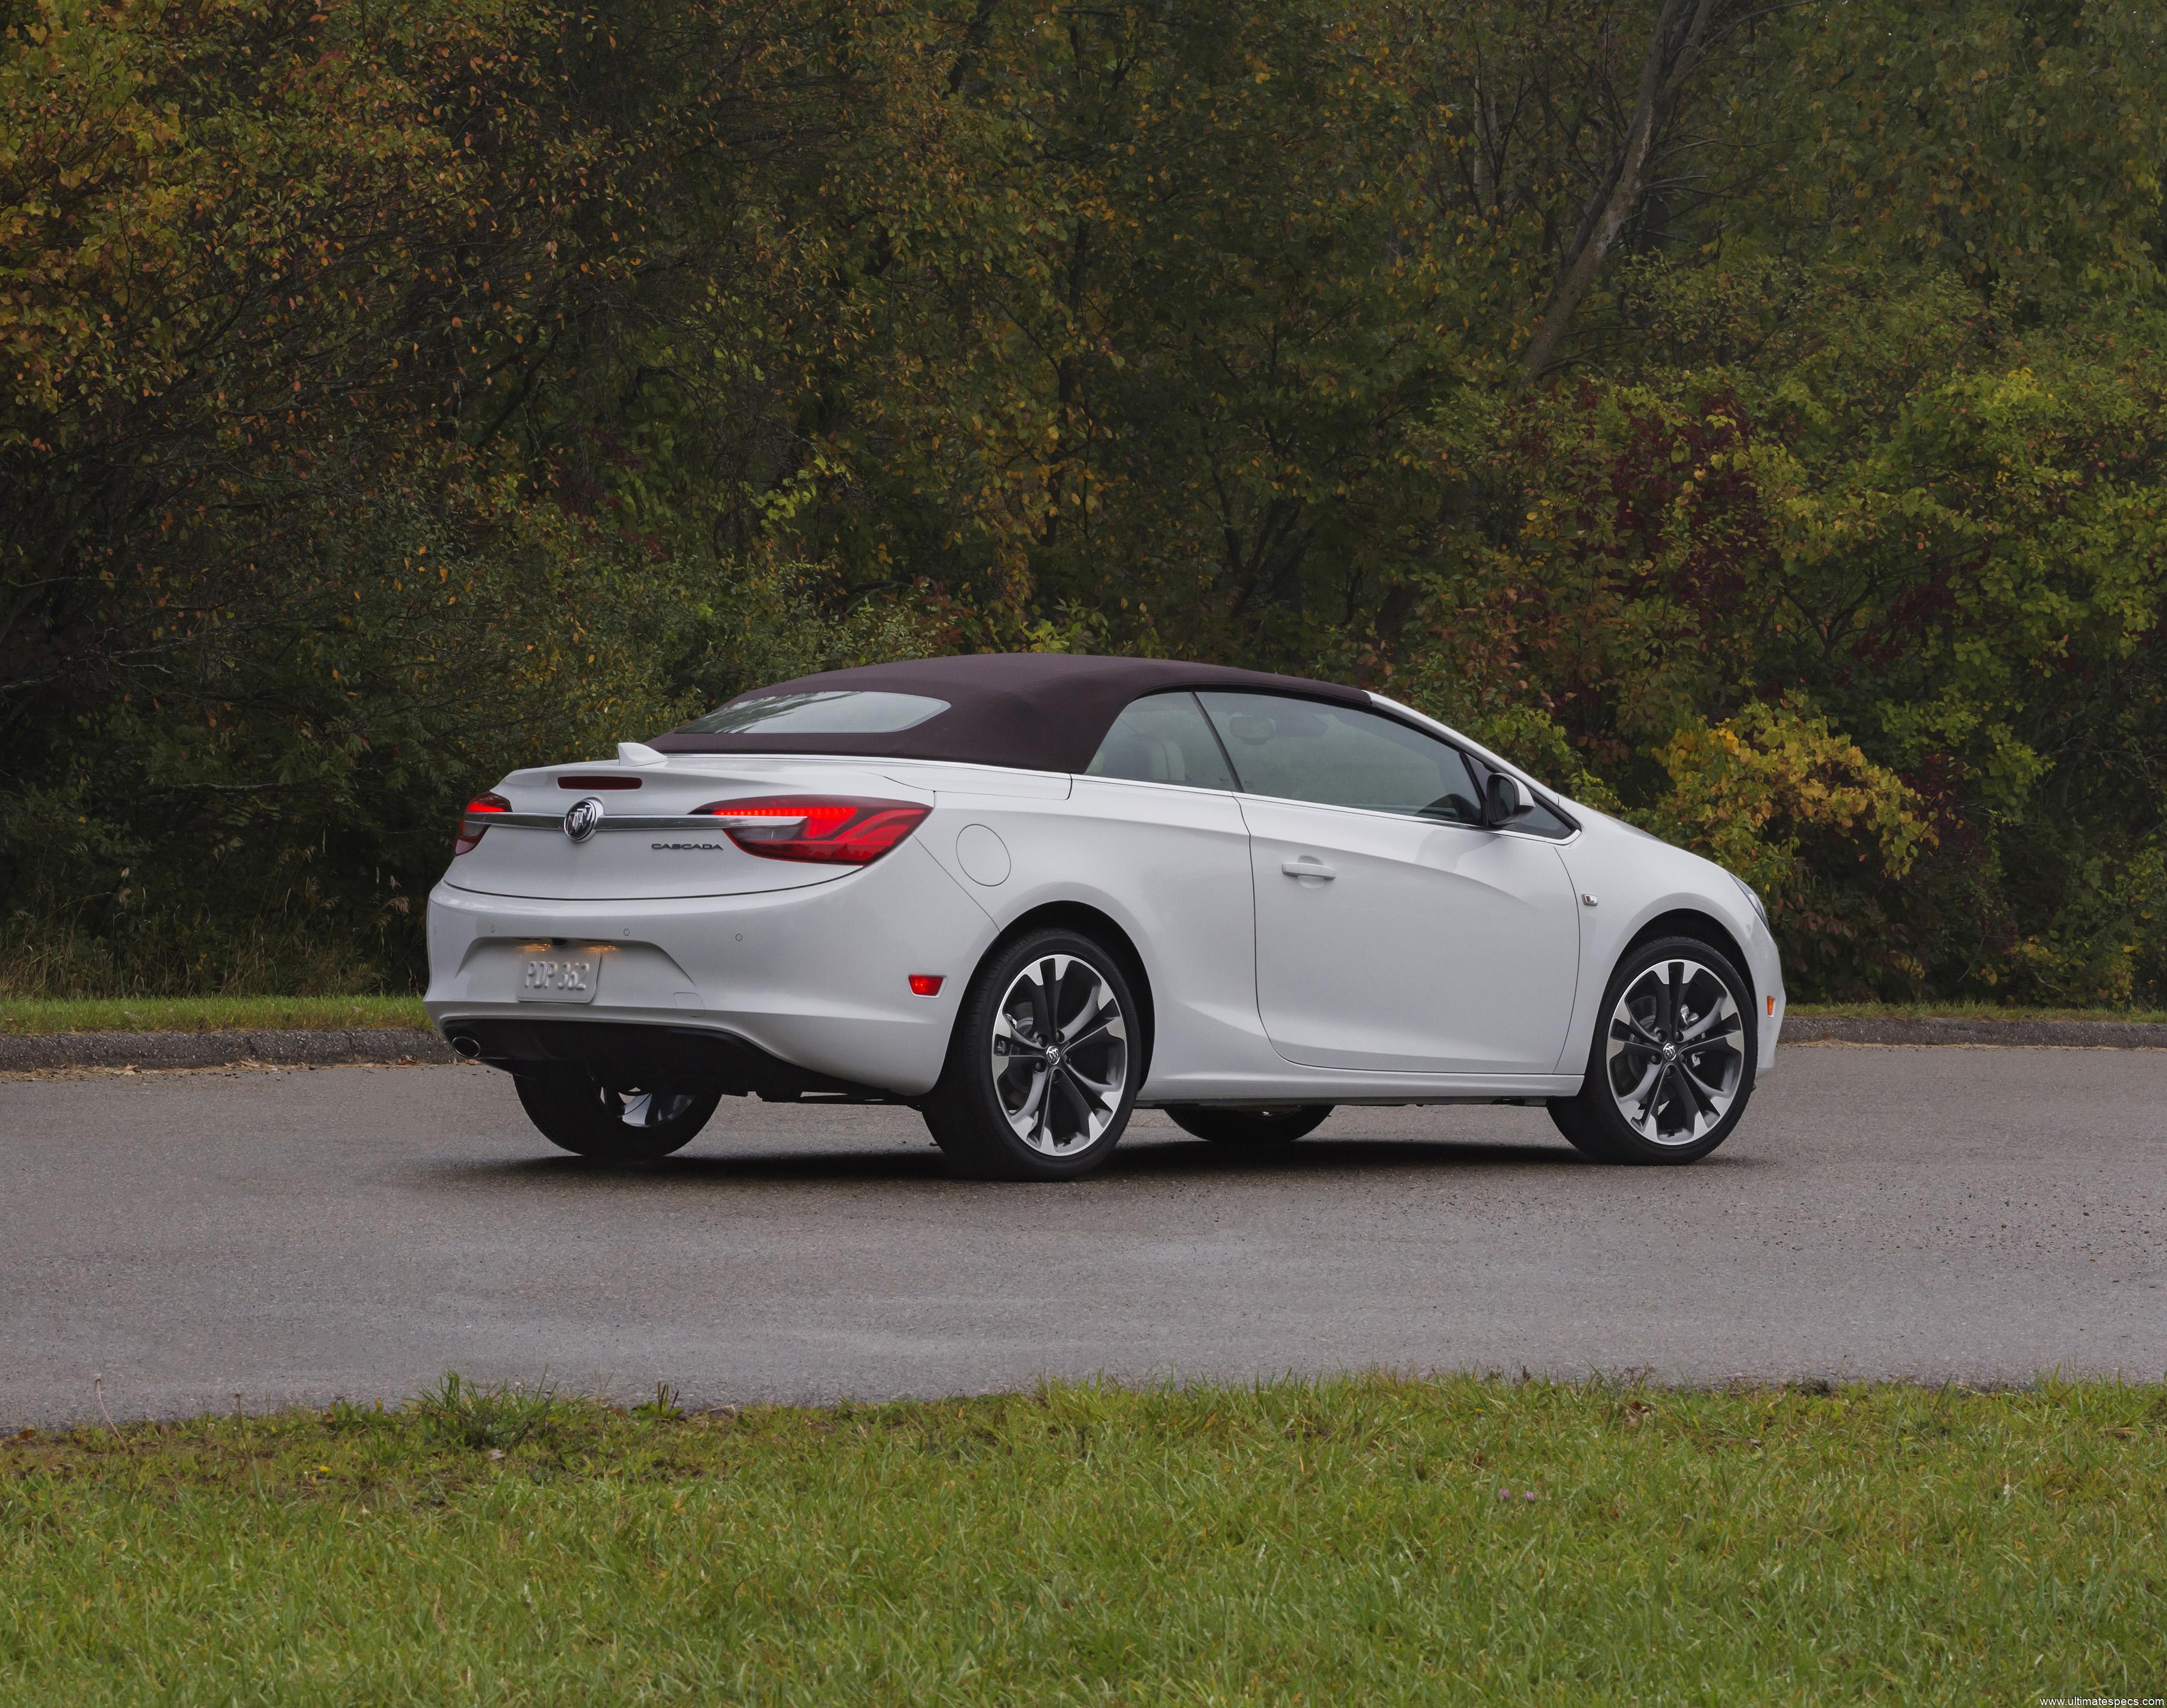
{"type": "Point", "coordinates": [1150, 1160]}
{"type": "Point", "coordinates": [1335, 1156]}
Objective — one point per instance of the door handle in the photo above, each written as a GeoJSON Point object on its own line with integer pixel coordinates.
{"type": "Point", "coordinates": [1308, 866]}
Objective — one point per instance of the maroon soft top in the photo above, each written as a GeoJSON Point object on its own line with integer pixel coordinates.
{"type": "Point", "coordinates": [1038, 711]}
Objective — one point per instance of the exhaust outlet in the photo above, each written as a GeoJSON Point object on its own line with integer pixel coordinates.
{"type": "Point", "coordinates": [465, 1047]}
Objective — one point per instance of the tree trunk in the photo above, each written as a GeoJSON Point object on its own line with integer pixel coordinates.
{"type": "Point", "coordinates": [1674, 48]}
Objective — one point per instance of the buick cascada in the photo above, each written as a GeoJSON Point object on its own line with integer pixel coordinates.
{"type": "Point", "coordinates": [1026, 893]}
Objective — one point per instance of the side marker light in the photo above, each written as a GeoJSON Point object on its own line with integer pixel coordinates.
{"type": "Point", "coordinates": [926, 984]}
{"type": "Point", "coordinates": [1771, 1008]}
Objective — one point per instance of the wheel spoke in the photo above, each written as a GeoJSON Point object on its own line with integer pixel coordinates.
{"type": "Point", "coordinates": [1713, 1054]}
{"type": "Point", "coordinates": [1107, 1029]}
{"type": "Point", "coordinates": [1653, 1073]}
{"type": "Point", "coordinates": [1088, 1108]}
{"type": "Point", "coordinates": [1041, 1098]}
{"type": "Point", "coordinates": [1045, 1001]}
{"type": "Point", "coordinates": [1635, 1033]}
{"type": "Point", "coordinates": [1703, 1096]}
{"type": "Point", "coordinates": [1097, 1012]}
{"type": "Point", "coordinates": [1716, 1023]}
{"type": "Point", "coordinates": [1011, 1044]}
{"type": "Point", "coordinates": [1103, 1091]}
{"type": "Point", "coordinates": [1654, 1098]}
{"type": "Point", "coordinates": [1034, 1097]}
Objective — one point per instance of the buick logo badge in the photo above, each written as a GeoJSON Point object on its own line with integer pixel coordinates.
{"type": "Point", "coordinates": [584, 820]}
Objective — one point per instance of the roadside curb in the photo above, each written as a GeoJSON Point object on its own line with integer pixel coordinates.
{"type": "Point", "coordinates": [157, 1049]}
{"type": "Point", "coordinates": [2079, 1035]}
{"type": "Point", "coordinates": [405, 1045]}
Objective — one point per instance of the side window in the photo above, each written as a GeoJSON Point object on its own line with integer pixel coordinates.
{"type": "Point", "coordinates": [1163, 738]}
{"type": "Point", "coordinates": [1307, 750]}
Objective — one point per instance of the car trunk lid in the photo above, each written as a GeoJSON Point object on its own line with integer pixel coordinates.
{"type": "Point", "coordinates": [643, 839]}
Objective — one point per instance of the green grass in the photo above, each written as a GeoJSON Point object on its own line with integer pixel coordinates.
{"type": "Point", "coordinates": [25, 1016]}
{"type": "Point", "coordinates": [1964, 1011]}
{"type": "Point", "coordinates": [1362, 1541]}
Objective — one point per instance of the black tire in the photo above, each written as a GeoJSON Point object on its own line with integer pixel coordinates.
{"type": "Point", "coordinates": [1249, 1130]}
{"type": "Point", "coordinates": [1638, 1104]}
{"type": "Point", "coordinates": [1070, 1123]}
{"type": "Point", "coordinates": [579, 1113]}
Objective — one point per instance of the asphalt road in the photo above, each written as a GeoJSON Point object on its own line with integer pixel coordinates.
{"type": "Point", "coordinates": [1980, 1214]}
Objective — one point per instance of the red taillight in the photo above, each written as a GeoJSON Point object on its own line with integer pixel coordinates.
{"type": "Point", "coordinates": [475, 819]}
{"type": "Point", "coordinates": [829, 829]}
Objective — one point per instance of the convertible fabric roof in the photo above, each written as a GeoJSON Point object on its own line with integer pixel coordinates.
{"type": "Point", "coordinates": [1038, 711]}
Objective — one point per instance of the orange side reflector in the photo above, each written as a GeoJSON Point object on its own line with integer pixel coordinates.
{"type": "Point", "coordinates": [926, 984]}
{"type": "Point", "coordinates": [1771, 1008]}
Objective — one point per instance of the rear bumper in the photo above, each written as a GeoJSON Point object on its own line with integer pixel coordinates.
{"type": "Point", "coordinates": [817, 978]}
{"type": "Point", "coordinates": [641, 1052]}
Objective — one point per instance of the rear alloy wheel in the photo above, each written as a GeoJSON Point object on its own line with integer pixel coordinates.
{"type": "Point", "coordinates": [612, 1124]}
{"type": "Point", "coordinates": [1249, 1130]}
{"type": "Point", "coordinates": [1672, 1065]}
{"type": "Point", "coordinates": [1041, 1075]}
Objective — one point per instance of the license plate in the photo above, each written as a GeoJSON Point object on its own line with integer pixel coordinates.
{"type": "Point", "coordinates": [560, 976]}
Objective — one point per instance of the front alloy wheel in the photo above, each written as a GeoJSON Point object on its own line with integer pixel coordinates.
{"type": "Point", "coordinates": [1677, 1053]}
{"type": "Point", "coordinates": [1042, 1066]}
{"type": "Point", "coordinates": [1670, 1067]}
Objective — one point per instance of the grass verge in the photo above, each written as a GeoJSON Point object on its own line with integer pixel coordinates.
{"type": "Point", "coordinates": [1964, 1011]}
{"type": "Point", "coordinates": [40, 1016]}
{"type": "Point", "coordinates": [1374, 1540]}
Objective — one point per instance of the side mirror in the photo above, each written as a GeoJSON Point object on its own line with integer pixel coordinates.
{"type": "Point", "coordinates": [1503, 801]}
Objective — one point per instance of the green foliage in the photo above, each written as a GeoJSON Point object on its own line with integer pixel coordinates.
{"type": "Point", "coordinates": [1750, 791]}
{"type": "Point", "coordinates": [1939, 533]}
{"type": "Point", "coordinates": [457, 1413]}
{"type": "Point", "coordinates": [273, 605]}
{"type": "Point", "coordinates": [394, 395]}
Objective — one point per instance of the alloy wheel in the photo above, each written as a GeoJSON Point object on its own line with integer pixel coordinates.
{"type": "Point", "coordinates": [1676, 1052]}
{"type": "Point", "coordinates": [1060, 1054]}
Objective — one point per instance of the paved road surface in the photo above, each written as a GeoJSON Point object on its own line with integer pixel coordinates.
{"type": "Point", "coordinates": [1977, 1213]}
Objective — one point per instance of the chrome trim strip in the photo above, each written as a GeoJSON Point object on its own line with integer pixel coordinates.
{"type": "Point", "coordinates": [641, 821]}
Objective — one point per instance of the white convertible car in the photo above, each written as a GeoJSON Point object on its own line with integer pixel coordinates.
{"type": "Point", "coordinates": [1026, 893]}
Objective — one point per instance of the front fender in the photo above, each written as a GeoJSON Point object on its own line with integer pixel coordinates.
{"type": "Point", "coordinates": [1634, 880]}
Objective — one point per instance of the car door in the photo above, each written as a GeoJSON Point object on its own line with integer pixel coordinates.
{"type": "Point", "coordinates": [1394, 931]}
{"type": "Point", "coordinates": [1156, 822]}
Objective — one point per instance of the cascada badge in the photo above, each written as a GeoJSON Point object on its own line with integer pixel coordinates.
{"type": "Point", "coordinates": [584, 819]}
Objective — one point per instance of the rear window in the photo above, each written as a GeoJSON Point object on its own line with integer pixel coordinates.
{"type": "Point", "coordinates": [838, 712]}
